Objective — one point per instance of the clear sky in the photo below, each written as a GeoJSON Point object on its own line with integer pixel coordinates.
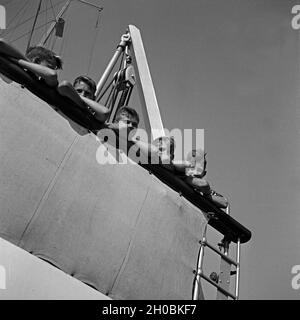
{"type": "Point", "coordinates": [232, 68]}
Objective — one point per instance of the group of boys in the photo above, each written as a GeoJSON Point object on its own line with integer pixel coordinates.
{"type": "Point", "coordinates": [44, 64]}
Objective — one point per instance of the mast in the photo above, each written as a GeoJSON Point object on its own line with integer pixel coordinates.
{"type": "Point", "coordinates": [33, 26]}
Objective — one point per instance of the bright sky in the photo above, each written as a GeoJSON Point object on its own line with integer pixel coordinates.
{"type": "Point", "coordinates": [232, 68]}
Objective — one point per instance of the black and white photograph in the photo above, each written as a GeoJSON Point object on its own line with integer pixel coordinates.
{"type": "Point", "coordinates": [149, 150]}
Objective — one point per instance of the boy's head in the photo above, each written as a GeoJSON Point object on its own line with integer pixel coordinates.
{"type": "Point", "coordinates": [198, 159]}
{"type": "Point", "coordinates": [85, 87]}
{"type": "Point", "coordinates": [45, 57]}
{"type": "Point", "coordinates": [166, 147]}
{"type": "Point", "coordinates": [128, 116]}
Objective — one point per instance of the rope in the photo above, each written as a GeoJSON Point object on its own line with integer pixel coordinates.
{"type": "Point", "coordinates": [25, 34]}
{"type": "Point", "coordinates": [49, 42]}
{"type": "Point", "coordinates": [54, 37]}
{"type": "Point", "coordinates": [111, 91]}
{"type": "Point", "coordinates": [62, 44]}
{"type": "Point", "coordinates": [7, 2]}
{"type": "Point", "coordinates": [46, 15]}
{"type": "Point", "coordinates": [53, 12]}
{"type": "Point", "coordinates": [121, 61]}
{"type": "Point", "coordinates": [110, 101]}
{"type": "Point", "coordinates": [104, 91]}
{"type": "Point", "coordinates": [9, 23]}
{"type": "Point", "coordinates": [93, 43]}
{"type": "Point", "coordinates": [64, 39]}
{"type": "Point", "coordinates": [33, 26]}
{"type": "Point", "coordinates": [26, 8]}
{"type": "Point", "coordinates": [26, 20]}
{"type": "Point", "coordinates": [115, 88]}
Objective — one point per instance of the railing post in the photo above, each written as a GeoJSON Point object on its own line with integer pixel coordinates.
{"type": "Point", "coordinates": [225, 268]}
{"type": "Point", "coordinates": [199, 271]}
{"type": "Point", "coordinates": [238, 258]}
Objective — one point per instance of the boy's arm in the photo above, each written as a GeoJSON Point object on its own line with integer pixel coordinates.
{"type": "Point", "coordinates": [65, 88]}
{"type": "Point", "coordinates": [181, 165]}
{"type": "Point", "coordinates": [49, 75]}
{"type": "Point", "coordinates": [101, 112]}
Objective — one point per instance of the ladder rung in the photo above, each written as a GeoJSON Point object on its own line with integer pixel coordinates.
{"type": "Point", "coordinates": [202, 275]}
{"type": "Point", "coordinates": [228, 259]}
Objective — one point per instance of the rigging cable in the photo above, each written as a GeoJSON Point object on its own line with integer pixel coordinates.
{"type": "Point", "coordinates": [33, 26]}
{"type": "Point", "coordinates": [96, 31]}
{"type": "Point", "coordinates": [12, 19]}
{"type": "Point", "coordinates": [62, 45]}
{"type": "Point", "coordinates": [26, 20]}
{"type": "Point", "coordinates": [52, 7]}
{"type": "Point", "coordinates": [46, 15]}
{"type": "Point", "coordinates": [18, 22]}
{"type": "Point", "coordinates": [54, 36]}
{"type": "Point", "coordinates": [104, 91]}
{"type": "Point", "coordinates": [7, 2]}
{"type": "Point", "coordinates": [49, 42]}
{"type": "Point", "coordinates": [64, 40]}
{"type": "Point", "coordinates": [111, 91]}
{"type": "Point", "coordinates": [114, 91]}
{"type": "Point", "coordinates": [25, 34]}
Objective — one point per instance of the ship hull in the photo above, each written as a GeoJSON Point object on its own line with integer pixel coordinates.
{"type": "Point", "coordinates": [116, 228]}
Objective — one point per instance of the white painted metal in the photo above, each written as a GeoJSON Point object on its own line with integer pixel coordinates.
{"type": "Point", "coordinates": [25, 277]}
{"type": "Point", "coordinates": [150, 109]}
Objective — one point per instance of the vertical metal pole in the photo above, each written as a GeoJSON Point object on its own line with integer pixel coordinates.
{"type": "Point", "coordinates": [199, 267]}
{"type": "Point", "coordinates": [224, 277]}
{"type": "Point", "coordinates": [238, 257]}
{"type": "Point", "coordinates": [110, 66]}
{"type": "Point", "coordinates": [33, 26]}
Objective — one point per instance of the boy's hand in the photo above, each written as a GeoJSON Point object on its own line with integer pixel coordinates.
{"type": "Point", "coordinates": [125, 37]}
